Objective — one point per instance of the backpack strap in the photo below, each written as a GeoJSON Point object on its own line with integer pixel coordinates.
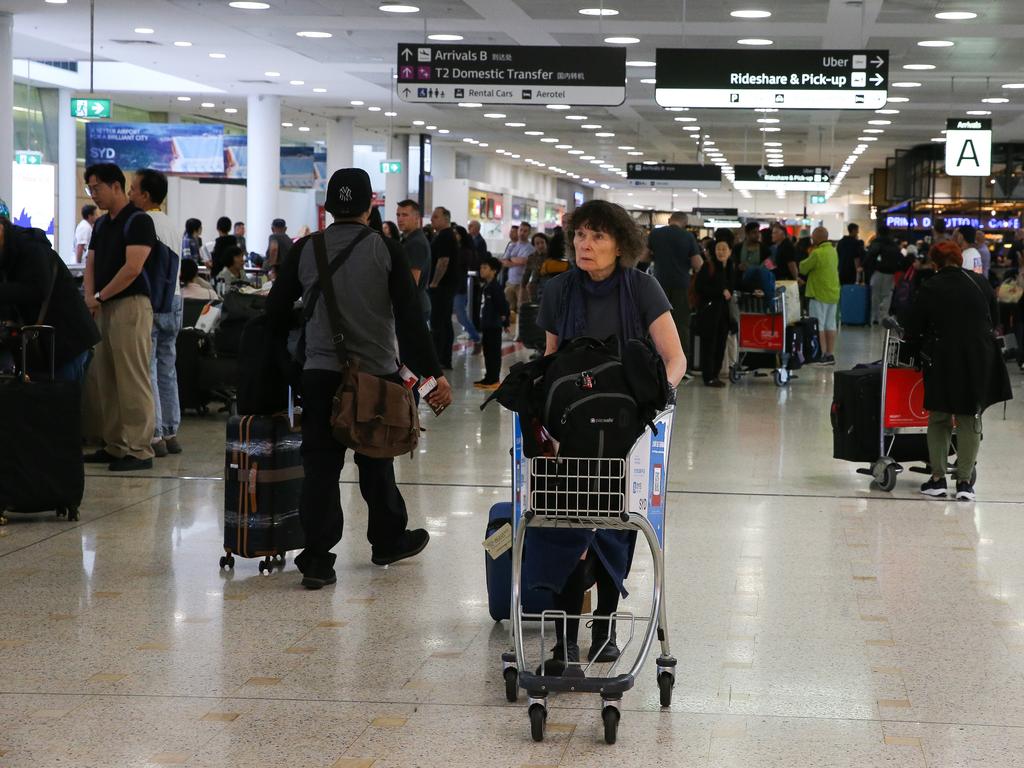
{"type": "Point", "coordinates": [326, 283]}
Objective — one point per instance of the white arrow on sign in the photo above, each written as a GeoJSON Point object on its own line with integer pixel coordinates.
{"type": "Point", "coordinates": [878, 61]}
{"type": "Point", "coordinates": [97, 108]}
{"type": "Point", "coordinates": [406, 54]}
{"type": "Point", "coordinates": [877, 79]}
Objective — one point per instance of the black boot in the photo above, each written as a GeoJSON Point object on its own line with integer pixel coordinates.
{"type": "Point", "coordinates": [602, 646]}
{"type": "Point", "coordinates": [556, 666]}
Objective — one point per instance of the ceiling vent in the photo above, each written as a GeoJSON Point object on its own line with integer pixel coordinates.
{"type": "Point", "coordinates": [135, 42]}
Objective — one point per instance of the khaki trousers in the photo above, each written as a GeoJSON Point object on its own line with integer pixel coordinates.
{"type": "Point", "coordinates": [122, 375]}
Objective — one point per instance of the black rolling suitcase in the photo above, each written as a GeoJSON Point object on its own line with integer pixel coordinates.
{"type": "Point", "coordinates": [262, 487]}
{"type": "Point", "coordinates": [41, 467]}
{"type": "Point", "coordinates": [191, 349]}
{"type": "Point", "coordinates": [530, 334]}
{"type": "Point", "coordinates": [811, 339]}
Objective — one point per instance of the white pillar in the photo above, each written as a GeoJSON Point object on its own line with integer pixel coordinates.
{"type": "Point", "coordinates": [67, 177]}
{"type": "Point", "coordinates": [396, 185]}
{"type": "Point", "coordinates": [264, 179]}
{"type": "Point", "coordinates": [442, 163]}
{"type": "Point", "coordinates": [339, 144]}
{"type": "Point", "coordinates": [6, 105]}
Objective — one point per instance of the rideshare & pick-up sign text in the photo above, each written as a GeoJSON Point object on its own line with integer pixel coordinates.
{"type": "Point", "coordinates": [712, 78]}
{"type": "Point", "coordinates": [494, 74]}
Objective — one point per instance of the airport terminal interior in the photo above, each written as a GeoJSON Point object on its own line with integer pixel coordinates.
{"type": "Point", "coordinates": [810, 607]}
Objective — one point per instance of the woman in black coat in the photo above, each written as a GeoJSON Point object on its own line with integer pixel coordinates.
{"type": "Point", "coordinates": [713, 285]}
{"type": "Point", "coordinates": [953, 319]}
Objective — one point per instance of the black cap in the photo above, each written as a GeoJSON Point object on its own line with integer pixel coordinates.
{"type": "Point", "coordinates": [278, 224]}
{"type": "Point", "coordinates": [348, 193]}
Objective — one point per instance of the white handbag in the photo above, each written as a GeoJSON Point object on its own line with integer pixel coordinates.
{"type": "Point", "coordinates": [209, 318]}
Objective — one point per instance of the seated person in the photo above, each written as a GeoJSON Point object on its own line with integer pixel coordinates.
{"type": "Point", "coordinates": [193, 286]}
{"type": "Point", "coordinates": [232, 277]}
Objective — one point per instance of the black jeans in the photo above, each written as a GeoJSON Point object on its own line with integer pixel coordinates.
{"type": "Point", "coordinates": [322, 460]}
{"type": "Point", "coordinates": [441, 307]}
{"type": "Point", "coordinates": [588, 572]}
{"type": "Point", "coordinates": [713, 325]}
{"type": "Point", "coordinates": [492, 355]}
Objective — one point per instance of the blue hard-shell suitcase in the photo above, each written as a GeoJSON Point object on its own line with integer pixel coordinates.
{"type": "Point", "coordinates": [854, 304]}
{"type": "Point", "coordinates": [499, 574]}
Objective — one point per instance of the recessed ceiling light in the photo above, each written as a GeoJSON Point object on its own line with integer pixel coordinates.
{"type": "Point", "coordinates": [533, 133]}
{"type": "Point", "coordinates": [939, 139]}
{"type": "Point", "coordinates": [995, 100]}
{"type": "Point", "coordinates": [685, 119]}
{"type": "Point", "coordinates": [575, 151]}
{"type": "Point", "coordinates": [599, 12]}
{"type": "Point", "coordinates": [867, 138]}
{"type": "Point", "coordinates": [445, 38]}
{"type": "Point", "coordinates": [626, 147]}
{"type": "Point", "coordinates": [549, 140]}
{"type": "Point", "coordinates": [182, 44]}
{"type": "Point", "coordinates": [593, 160]}
{"type": "Point", "coordinates": [575, 117]}
{"type": "Point", "coordinates": [677, 109]}
{"type": "Point", "coordinates": [515, 125]}
{"type": "Point", "coordinates": [755, 41]}
{"type": "Point", "coordinates": [586, 157]}
{"type": "Point", "coordinates": [641, 63]}
{"type": "Point", "coordinates": [558, 106]}
{"type": "Point", "coordinates": [443, 130]}
{"type": "Point", "coordinates": [563, 146]}
{"type": "Point", "coordinates": [750, 14]}
{"type": "Point", "coordinates": [634, 154]}
{"type": "Point", "coordinates": [906, 84]}
{"type": "Point", "coordinates": [773, 144]}
{"type": "Point", "coordinates": [936, 43]}
{"type": "Point", "coordinates": [897, 100]}
{"type": "Point", "coordinates": [390, 114]}
{"type": "Point", "coordinates": [768, 120]}
{"type": "Point", "coordinates": [887, 111]}
{"type": "Point", "coordinates": [287, 125]}
{"type": "Point", "coordinates": [919, 67]}
{"type": "Point", "coordinates": [470, 141]}
{"type": "Point", "coordinates": [304, 128]}
{"type": "Point", "coordinates": [207, 105]}
{"type": "Point", "coordinates": [591, 126]}
{"type": "Point", "coordinates": [314, 34]}
{"type": "Point", "coordinates": [495, 115]}
{"type": "Point", "coordinates": [230, 110]}
{"type": "Point", "coordinates": [144, 30]}
{"type": "Point", "coordinates": [296, 82]}
{"type": "Point", "coordinates": [470, 104]}
{"type": "Point", "coordinates": [57, 2]}
{"type": "Point", "coordinates": [319, 90]}
{"type": "Point", "coordinates": [604, 134]}
{"type": "Point", "coordinates": [978, 112]}
{"type": "Point", "coordinates": [874, 130]}
{"type": "Point", "coordinates": [769, 129]}
{"type": "Point", "coordinates": [184, 98]}
{"type": "Point", "coordinates": [691, 127]}
{"type": "Point", "coordinates": [648, 80]}
{"type": "Point", "coordinates": [357, 103]}
{"type": "Point", "coordinates": [418, 122]}
{"type": "Point", "coordinates": [879, 122]}
{"type": "Point", "coordinates": [622, 40]}
{"type": "Point", "coordinates": [249, 6]}
{"type": "Point", "coordinates": [373, 109]}
{"type": "Point", "coordinates": [218, 55]}
{"type": "Point", "coordinates": [956, 15]}
{"type": "Point", "coordinates": [1013, 86]}
{"type": "Point", "coordinates": [515, 157]}
{"type": "Point", "coordinates": [397, 8]}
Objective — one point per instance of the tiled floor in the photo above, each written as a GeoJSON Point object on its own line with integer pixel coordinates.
{"type": "Point", "coordinates": [816, 622]}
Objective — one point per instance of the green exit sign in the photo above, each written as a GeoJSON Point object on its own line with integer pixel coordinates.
{"type": "Point", "coordinates": [391, 166]}
{"type": "Point", "coordinates": [24, 157]}
{"type": "Point", "coordinates": [90, 108]}
{"type": "Point", "coordinates": [818, 199]}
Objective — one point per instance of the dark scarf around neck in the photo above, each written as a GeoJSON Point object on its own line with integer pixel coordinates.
{"type": "Point", "coordinates": [580, 286]}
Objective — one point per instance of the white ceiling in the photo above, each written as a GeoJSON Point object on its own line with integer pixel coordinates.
{"type": "Point", "coordinates": [356, 64]}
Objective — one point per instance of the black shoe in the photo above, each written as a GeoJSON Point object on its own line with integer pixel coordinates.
{"type": "Point", "coordinates": [315, 575]}
{"type": "Point", "coordinates": [409, 544]}
{"type": "Point", "coordinates": [160, 449]}
{"type": "Point", "coordinates": [556, 667]}
{"type": "Point", "coordinates": [717, 384]}
{"type": "Point", "coordinates": [130, 464]}
{"type": "Point", "coordinates": [964, 491]}
{"type": "Point", "coordinates": [173, 446]}
{"type": "Point", "coordinates": [319, 581]}
{"type": "Point", "coordinates": [936, 488]}
{"type": "Point", "coordinates": [99, 457]}
{"type": "Point", "coordinates": [599, 650]}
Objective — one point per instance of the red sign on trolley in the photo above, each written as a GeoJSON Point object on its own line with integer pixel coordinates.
{"type": "Point", "coordinates": [762, 332]}
{"type": "Point", "coordinates": [904, 399]}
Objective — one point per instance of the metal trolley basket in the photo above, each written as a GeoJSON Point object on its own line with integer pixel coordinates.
{"type": "Point", "coordinates": [762, 329]}
{"type": "Point", "coordinates": [623, 494]}
{"type": "Point", "coordinates": [902, 410]}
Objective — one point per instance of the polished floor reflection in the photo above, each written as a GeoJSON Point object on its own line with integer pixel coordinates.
{"type": "Point", "coordinates": [817, 622]}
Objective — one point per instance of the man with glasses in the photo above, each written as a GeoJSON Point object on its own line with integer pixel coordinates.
{"type": "Point", "coordinates": [116, 293]}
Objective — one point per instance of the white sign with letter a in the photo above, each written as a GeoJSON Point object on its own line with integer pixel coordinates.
{"type": "Point", "coordinates": [968, 147]}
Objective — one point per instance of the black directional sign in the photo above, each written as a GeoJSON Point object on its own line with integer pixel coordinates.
{"type": "Point", "coordinates": [772, 79]}
{"type": "Point", "coordinates": [787, 177]}
{"type": "Point", "coordinates": [673, 175]}
{"type": "Point", "coordinates": [498, 74]}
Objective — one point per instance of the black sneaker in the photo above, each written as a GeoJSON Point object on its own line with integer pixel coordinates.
{"type": "Point", "coordinates": [964, 491]}
{"type": "Point", "coordinates": [409, 544]}
{"type": "Point", "coordinates": [936, 488]}
{"type": "Point", "coordinates": [315, 575]}
{"type": "Point", "coordinates": [600, 651]}
{"type": "Point", "coordinates": [556, 666]}
{"type": "Point", "coordinates": [160, 449]}
{"type": "Point", "coordinates": [129, 464]}
{"type": "Point", "coordinates": [828, 360]}
{"type": "Point", "coordinates": [319, 580]}
{"type": "Point", "coordinates": [173, 446]}
{"type": "Point", "coordinates": [99, 457]}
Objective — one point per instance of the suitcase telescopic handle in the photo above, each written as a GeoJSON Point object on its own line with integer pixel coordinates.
{"type": "Point", "coordinates": [31, 333]}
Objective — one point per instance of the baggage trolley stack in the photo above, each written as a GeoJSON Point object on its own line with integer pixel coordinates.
{"type": "Point", "coordinates": [762, 330]}
{"type": "Point", "coordinates": [621, 494]}
{"type": "Point", "coordinates": [903, 411]}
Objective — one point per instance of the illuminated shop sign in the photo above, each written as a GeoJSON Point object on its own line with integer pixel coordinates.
{"type": "Point", "coordinates": [925, 221]}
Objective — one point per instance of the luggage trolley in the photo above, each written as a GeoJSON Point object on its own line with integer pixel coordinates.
{"type": "Point", "coordinates": [903, 411]}
{"type": "Point", "coordinates": [623, 494]}
{"type": "Point", "coordinates": [762, 329]}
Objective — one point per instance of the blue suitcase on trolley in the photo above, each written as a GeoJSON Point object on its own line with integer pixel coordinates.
{"type": "Point", "coordinates": [499, 574]}
{"type": "Point", "coordinates": [854, 304]}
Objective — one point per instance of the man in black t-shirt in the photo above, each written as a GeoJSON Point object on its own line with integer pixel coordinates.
{"type": "Point", "coordinates": [675, 254]}
{"type": "Point", "coordinates": [117, 294]}
{"type": "Point", "coordinates": [444, 251]}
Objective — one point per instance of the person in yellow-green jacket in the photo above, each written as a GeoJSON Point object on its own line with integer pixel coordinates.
{"type": "Point", "coordinates": [821, 268]}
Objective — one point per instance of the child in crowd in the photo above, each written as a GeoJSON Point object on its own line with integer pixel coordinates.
{"type": "Point", "coordinates": [494, 318]}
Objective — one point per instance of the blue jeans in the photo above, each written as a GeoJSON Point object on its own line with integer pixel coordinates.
{"type": "Point", "coordinates": [74, 369]}
{"type": "Point", "coordinates": [462, 315]}
{"type": "Point", "coordinates": [162, 372]}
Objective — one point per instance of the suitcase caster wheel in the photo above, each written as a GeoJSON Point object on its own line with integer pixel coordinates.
{"type": "Point", "coordinates": [734, 375]}
{"type": "Point", "coordinates": [266, 567]}
{"type": "Point", "coordinates": [61, 512]}
{"type": "Point", "coordinates": [72, 513]}
{"type": "Point", "coordinates": [538, 719]}
{"type": "Point", "coordinates": [227, 561]}
{"type": "Point", "coordinates": [511, 685]}
{"type": "Point", "coordinates": [780, 377]}
{"type": "Point", "coordinates": [610, 716]}
{"type": "Point", "coordinates": [888, 479]}
{"type": "Point", "coordinates": [665, 683]}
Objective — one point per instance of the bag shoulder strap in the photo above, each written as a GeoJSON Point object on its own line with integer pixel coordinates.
{"type": "Point", "coordinates": [324, 275]}
{"type": "Point", "coordinates": [307, 312]}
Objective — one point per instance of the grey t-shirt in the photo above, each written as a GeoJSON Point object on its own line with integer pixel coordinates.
{"type": "Point", "coordinates": [603, 319]}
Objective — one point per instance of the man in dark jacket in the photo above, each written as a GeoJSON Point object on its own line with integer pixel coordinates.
{"type": "Point", "coordinates": [885, 260]}
{"type": "Point", "coordinates": [851, 255]}
{"type": "Point", "coordinates": [379, 309]}
{"type": "Point", "coordinates": [33, 275]}
{"type": "Point", "coordinates": [953, 320]}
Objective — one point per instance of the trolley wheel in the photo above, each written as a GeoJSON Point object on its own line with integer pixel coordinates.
{"type": "Point", "coordinates": [538, 719]}
{"type": "Point", "coordinates": [888, 481]}
{"type": "Point", "coordinates": [511, 685]}
{"type": "Point", "coordinates": [734, 374]}
{"type": "Point", "coordinates": [780, 377]}
{"type": "Point", "coordinates": [227, 561]}
{"type": "Point", "coordinates": [610, 716]}
{"type": "Point", "coordinates": [666, 681]}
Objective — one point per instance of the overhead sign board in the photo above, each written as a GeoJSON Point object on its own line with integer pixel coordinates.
{"type": "Point", "coordinates": [28, 157]}
{"type": "Point", "coordinates": [500, 74]}
{"type": "Point", "coordinates": [818, 199]}
{"type": "Point", "coordinates": [968, 147]}
{"type": "Point", "coordinates": [786, 178]}
{"type": "Point", "coordinates": [692, 176]}
{"type": "Point", "coordinates": [717, 213]}
{"type": "Point", "coordinates": [390, 166]}
{"type": "Point", "coordinates": [94, 108]}
{"type": "Point", "coordinates": [801, 79]}
{"type": "Point", "coordinates": [923, 221]}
